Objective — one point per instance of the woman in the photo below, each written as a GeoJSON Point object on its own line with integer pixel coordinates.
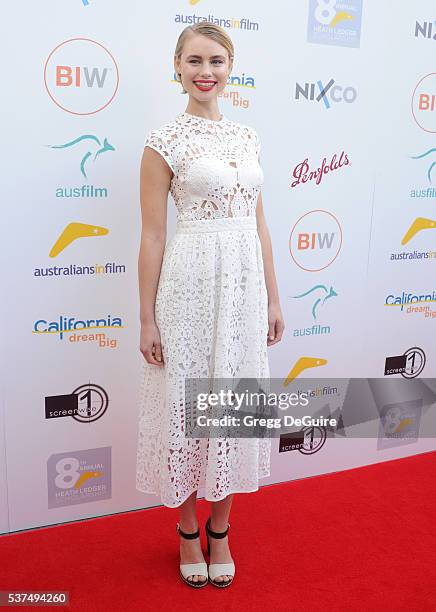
{"type": "Point", "coordinates": [208, 299]}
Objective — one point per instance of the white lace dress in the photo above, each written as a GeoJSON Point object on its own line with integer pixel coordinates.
{"type": "Point", "coordinates": [211, 310]}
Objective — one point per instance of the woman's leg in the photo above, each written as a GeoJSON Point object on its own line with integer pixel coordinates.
{"type": "Point", "coordinates": [190, 550]}
{"type": "Point", "coordinates": [219, 548]}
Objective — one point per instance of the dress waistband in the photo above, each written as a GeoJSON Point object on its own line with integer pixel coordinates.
{"type": "Point", "coordinates": [216, 225]}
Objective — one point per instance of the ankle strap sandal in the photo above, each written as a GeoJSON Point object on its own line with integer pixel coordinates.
{"type": "Point", "coordinates": [219, 569]}
{"type": "Point", "coordinates": [192, 569]}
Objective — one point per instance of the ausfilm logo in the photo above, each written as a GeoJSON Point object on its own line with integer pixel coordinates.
{"type": "Point", "coordinates": [304, 173]}
{"type": "Point", "coordinates": [81, 76]}
{"type": "Point", "coordinates": [424, 103]}
{"type": "Point", "coordinates": [315, 240]}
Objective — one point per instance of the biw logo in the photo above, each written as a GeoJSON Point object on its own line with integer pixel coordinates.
{"type": "Point", "coordinates": [81, 76]}
{"type": "Point", "coordinates": [315, 240]}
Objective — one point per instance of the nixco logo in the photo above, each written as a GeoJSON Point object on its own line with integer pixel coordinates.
{"type": "Point", "coordinates": [424, 103]}
{"type": "Point", "coordinates": [316, 297]}
{"type": "Point", "coordinates": [74, 327]}
{"type": "Point", "coordinates": [426, 29]}
{"type": "Point", "coordinates": [329, 93]}
{"type": "Point", "coordinates": [85, 404]}
{"type": "Point", "coordinates": [410, 364]}
{"type": "Point", "coordinates": [302, 172]}
{"type": "Point", "coordinates": [335, 23]}
{"type": "Point", "coordinates": [315, 240]}
{"type": "Point", "coordinates": [81, 76]}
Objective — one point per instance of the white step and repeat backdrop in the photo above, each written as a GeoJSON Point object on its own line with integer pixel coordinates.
{"type": "Point", "coordinates": [343, 96]}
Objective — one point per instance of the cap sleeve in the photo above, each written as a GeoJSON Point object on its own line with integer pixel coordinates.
{"type": "Point", "coordinates": [156, 141]}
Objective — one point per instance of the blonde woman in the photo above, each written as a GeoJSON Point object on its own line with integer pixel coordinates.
{"type": "Point", "coordinates": [209, 304]}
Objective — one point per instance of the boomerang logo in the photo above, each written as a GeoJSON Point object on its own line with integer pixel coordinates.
{"type": "Point", "coordinates": [103, 149]}
{"type": "Point", "coordinates": [303, 364]}
{"type": "Point", "coordinates": [85, 2]}
{"type": "Point", "coordinates": [72, 232]}
{"type": "Point", "coordinates": [417, 226]}
{"type": "Point", "coordinates": [432, 165]}
{"type": "Point", "coordinates": [328, 293]}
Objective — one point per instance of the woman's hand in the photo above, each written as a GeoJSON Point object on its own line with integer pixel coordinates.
{"type": "Point", "coordinates": [150, 344]}
{"type": "Point", "coordinates": [275, 324]}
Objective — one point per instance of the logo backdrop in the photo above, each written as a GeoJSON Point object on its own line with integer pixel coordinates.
{"type": "Point", "coordinates": [347, 120]}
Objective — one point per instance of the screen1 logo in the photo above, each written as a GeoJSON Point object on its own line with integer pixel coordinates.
{"type": "Point", "coordinates": [332, 22]}
{"type": "Point", "coordinates": [424, 103]}
{"type": "Point", "coordinates": [409, 365]}
{"type": "Point", "coordinates": [81, 76]}
{"type": "Point", "coordinates": [86, 404]}
{"type": "Point", "coordinates": [315, 240]}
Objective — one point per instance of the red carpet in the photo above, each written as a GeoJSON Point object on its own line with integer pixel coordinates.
{"type": "Point", "coordinates": [363, 539]}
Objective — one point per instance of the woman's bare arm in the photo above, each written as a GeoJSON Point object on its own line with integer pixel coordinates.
{"type": "Point", "coordinates": [275, 318]}
{"type": "Point", "coordinates": [155, 178]}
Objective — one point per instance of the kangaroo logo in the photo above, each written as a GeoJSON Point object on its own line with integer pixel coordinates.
{"type": "Point", "coordinates": [432, 165]}
{"type": "Point", "coordinates": [327, 293]}
{"type": "Point", "coordinates": [103, 149]}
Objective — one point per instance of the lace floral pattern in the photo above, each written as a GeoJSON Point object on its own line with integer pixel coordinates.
{"type": "Point", "coordinates": [211, 310]}
{"type": "Point", "coordinates": [215, 166]}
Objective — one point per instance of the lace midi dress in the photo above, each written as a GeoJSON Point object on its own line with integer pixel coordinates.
{"type": "Point", "coordinates": [211, 309]}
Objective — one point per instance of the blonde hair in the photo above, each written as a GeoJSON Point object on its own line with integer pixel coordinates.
{"type": "Point", "coordinates": [211, 30]}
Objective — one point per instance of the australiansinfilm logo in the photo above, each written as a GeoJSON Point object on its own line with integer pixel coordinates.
{"type": "Point", "coordinates": [335, 22]}
{"type": "Point", "coordinates": [67, 239]}
{"type": "Point", "coordinates": [85, 404]}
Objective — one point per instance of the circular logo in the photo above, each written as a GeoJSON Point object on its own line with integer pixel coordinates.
{"type": "Point", "coordinates": [315, 240]}
{"type": "Point", "coordinates": [81, 76]}
{"type": "Point", "coordinates": [424, 103]}
{"type": "Point", "coordinates": [415, 362]}
{"type": "Point", "coordinates": [314, 439]}
{"type": "Point", "coordinates": [92, 403]}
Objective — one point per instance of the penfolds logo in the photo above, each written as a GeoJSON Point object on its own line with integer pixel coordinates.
{"type": "Point", "coordinates": [302, 173]}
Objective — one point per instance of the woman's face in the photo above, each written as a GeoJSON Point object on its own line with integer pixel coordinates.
{"type": "Point", "coordinates": [204, 66]}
